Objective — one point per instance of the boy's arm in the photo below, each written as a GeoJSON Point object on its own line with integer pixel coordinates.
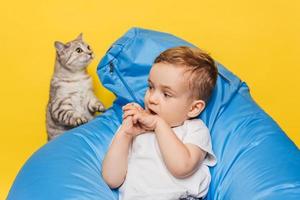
{"type": "Point", "coordinates": [181, 159]}
{"type": "Point", "coordinates": [114, 166]}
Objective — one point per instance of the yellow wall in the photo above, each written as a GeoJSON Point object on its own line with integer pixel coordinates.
{"type": "Point", "coordinates": [258, 40]}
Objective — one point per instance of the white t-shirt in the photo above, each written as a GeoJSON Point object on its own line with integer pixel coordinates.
{"type": "Point", "coordinates": [148, 178]}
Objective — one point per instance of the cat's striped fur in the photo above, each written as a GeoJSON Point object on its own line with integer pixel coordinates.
{"type": "Point", "coordinates": [72, 101]}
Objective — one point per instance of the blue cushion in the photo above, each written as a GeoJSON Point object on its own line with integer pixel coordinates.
{"type": "Point", "coordinates": [256, 160]}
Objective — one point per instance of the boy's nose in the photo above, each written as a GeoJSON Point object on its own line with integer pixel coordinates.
{"type": "Point", "coordinates": [153, 98]}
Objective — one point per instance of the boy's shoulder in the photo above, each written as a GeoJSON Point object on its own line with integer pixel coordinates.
{"type": "Point", "coordinates": [194, 125]}
{"type": "Point", "coordinates": [194, 122]}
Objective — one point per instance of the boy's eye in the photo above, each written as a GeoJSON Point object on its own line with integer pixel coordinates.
{"type": "Point", "coordinates": [167, 95]}
{"type": "Point", "coordinates": [79, 50]}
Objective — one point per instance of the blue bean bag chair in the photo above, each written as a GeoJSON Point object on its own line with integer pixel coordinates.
{"type": "Point", "coordinates": [256, 160]}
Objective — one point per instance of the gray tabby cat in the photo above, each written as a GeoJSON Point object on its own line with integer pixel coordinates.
{"type": "Point", "coordinates": [72, 101]}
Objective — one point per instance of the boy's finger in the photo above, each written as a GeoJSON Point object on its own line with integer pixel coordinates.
{"type": "Point", "coordinates": [127, 105]}
{"type": "Point", "coordinates": [129, 113]}
{"type": "Point", "coordinates": [135, 118]}
{"type": "Point", "coordinates": [125, 115]}
{"type": "Point", "coordinates": [128, 108]}
{"type": "Point", "coordinates": [136, 105]}
{"type": "Point", "coordinates": [132, 105]}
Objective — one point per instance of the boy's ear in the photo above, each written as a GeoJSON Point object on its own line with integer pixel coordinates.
{"type": "Point", "coordinates": [196, 108]}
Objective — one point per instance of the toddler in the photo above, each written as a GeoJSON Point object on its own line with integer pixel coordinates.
{"type": "Point", "coordinates": [162, 151]}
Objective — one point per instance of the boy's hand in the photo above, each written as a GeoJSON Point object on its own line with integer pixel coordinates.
{"type": "Point", "coordinates": [131, 129]}
{"type": "Point", "coordinates": [140, 117]}
{"type": "Point", "coordinates": [128, 126]}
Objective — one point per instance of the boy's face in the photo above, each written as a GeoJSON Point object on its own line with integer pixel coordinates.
{"type": "Point", "coordinates": [168, 94]}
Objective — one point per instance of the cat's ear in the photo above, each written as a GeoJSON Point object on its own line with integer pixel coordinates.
{"type": "Point", "coordinates": [79, 37]}
{"type": "Point", "coordinates": [59, 46]}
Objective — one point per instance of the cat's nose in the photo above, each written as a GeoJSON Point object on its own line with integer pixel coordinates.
{"type": "Point", "coordinates": [91, 55]}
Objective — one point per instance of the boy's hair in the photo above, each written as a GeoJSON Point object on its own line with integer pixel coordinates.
{"type": "Point", "coordinates": [200, 66]}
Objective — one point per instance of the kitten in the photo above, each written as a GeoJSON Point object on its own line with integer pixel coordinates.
{"type": "Point", "coordinates": [72, 101]}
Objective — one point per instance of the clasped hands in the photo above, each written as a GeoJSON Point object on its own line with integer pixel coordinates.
{"type": "Point", "coordinates": [137, 120]}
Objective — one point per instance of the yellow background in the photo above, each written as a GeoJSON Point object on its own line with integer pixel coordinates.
{"type": "Point", "coordinates": [257, 40]}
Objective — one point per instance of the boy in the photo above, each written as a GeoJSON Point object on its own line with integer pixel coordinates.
{"type": "Point", "coordinates": [163, 152]}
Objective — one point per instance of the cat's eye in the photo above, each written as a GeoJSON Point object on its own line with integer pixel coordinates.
{"type": "Point", "coordinates": [79, 50]}
{"type": "Point", "coordinates": [88, 47]}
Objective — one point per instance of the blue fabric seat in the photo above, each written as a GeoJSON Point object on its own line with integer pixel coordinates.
{"type": "Point", "coordinates": [256, 160]}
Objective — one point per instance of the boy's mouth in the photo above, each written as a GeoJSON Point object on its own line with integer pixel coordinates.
{"type": "Point", "coordinates": [151, 112]}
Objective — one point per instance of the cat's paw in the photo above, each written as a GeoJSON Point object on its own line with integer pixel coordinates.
{"type": "Point", "coordinates": [76, 121]}
{"type": "Point", "coordinates": [97, 107]}
{"type": "Point", "coordinates": [100, 107]}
